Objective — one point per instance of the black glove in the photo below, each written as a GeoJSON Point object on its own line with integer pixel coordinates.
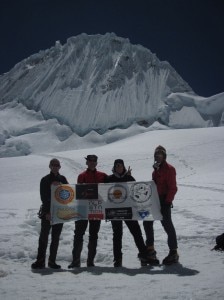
{"type": "Point", "coordinates": [41, 213]}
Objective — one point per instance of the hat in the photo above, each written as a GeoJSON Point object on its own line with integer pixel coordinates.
{"type": "Point", "coordinates": [118, 161]}
{"type": "Point", "coordinates": [91, 157]}
{"type": "Point", "coordinates": [160, 149]}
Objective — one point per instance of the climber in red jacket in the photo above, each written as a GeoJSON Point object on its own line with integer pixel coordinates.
{"type": "Point", "coordinates": [164, 175]}
{"type": "Point", "coordinates": [90, 175]}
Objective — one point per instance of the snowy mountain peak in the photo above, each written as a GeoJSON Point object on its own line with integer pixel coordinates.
{"type": "Point", "coordinates": [97, 83]}
{"type": "Point", "coordinates": [103, 77]}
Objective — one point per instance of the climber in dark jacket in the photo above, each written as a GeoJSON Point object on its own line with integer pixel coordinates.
{"type": "Point", "coordinates": [45, 194]}
{"type": "Point", "coordinates": [120, 174]}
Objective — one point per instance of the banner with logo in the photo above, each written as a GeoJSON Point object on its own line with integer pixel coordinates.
{"type": "Point", "coordinates": [105, 201]}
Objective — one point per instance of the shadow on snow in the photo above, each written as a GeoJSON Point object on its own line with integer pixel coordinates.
{"type": "Point", "coordinates": [176, 269]}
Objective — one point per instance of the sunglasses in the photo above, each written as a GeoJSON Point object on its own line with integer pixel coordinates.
{"type": "Point", "coordinates": [55, 165]}
{"type": "Point", "coordinates": [93, 160]}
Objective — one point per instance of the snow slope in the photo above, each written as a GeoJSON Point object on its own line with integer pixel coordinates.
{"type": "Point", "coordinates": [198, 211]}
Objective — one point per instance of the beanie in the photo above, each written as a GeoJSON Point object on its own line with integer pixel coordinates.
{"type": "Point", "coordinates": [160, 149]}
{"type": "Point", "coordinates": [119, 161]}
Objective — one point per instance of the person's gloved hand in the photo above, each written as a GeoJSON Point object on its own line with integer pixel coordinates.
{"type": "Point", "coordinates": [156, 165]}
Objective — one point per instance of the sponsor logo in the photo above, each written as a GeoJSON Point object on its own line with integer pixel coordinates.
{"type": "Point", "coordinates": [141, 192]}
{"type": "Point", "coordinates": [86, 191]}
{"type": "Point", "coordinates": [123, 213]}
{"type": "Point", "coordinates": [117, 194]}
{"type": "Point", "coordinates": [143, 213]}
{"type": "Point", "coordinates": [64, 194]}
{"type": "Point", "coordinates": [95, 206]}
{"type": "Point", "coordinates": [67, 213]}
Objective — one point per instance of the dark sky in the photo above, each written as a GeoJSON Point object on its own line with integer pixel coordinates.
{"type": "Point", "coordinates": [189, 34]}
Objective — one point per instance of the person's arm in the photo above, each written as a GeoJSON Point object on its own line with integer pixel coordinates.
{"type": "Point", "coordinates": [64, 180]}
{"type": "Point", "coordinates": [171, 186]}
{"type": "Point", "coordinates": [106, 179]}
{"type": "Point", "coordinates": [131, 178]}
{"type": "Point", "coordinates": [80, 178]}
{"type": "Point", "coordinates": [45, 195]}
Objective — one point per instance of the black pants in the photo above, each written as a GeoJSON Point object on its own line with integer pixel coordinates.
{"type": "Point", "coordinates": [135, 230]}
{"type": "Point", "coordinates": [43, 240]}
{"type": "Point", "coordinates": [167, 225]}
{"type": "Point", "coordinates": [80, 229]}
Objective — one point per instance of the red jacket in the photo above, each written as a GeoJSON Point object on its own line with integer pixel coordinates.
{"type": "Point", "coordinates": [165, 179]}
{"type": "Point", "coordinates": [89, 176]}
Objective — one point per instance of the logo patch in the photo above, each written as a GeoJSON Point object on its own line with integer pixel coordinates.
{"type": "Point", "coordinates": [117, 194]}
{"type": "Point", "coordinates": [64, 194]}
{"type": "Point", "coordinates": [141, 192]}
{"type": "Point", "coordinates": [143, 213]}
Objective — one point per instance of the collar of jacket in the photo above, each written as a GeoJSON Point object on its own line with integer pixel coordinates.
{"type": "Point", "coordinates": [162, 165]}
{"type": "Point", "coordinates": [53, 175]}
{"type": "Point", "coordinates": [92, 171]}
{"type": "Point", "coordinates": [120, 175]}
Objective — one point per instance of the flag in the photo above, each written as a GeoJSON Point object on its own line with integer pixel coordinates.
{"type": "Point", "coordinates": [105, 201]}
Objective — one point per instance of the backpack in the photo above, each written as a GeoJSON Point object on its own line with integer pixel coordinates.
{"type": "Point", "coordinates": [219, 243]}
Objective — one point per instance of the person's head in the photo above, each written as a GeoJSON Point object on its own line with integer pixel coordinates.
{"type": "Point", "coordinates": [160, 154]}
{"type": "Point", "coordinates": [91, 161]}
{"type": "Point", "coordinates": [54, 165]}
{"type": "Point", "coordinates": [119, 166]}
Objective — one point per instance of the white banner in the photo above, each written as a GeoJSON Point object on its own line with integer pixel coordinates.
{"type": "Point", "coordinates": [105, 201]}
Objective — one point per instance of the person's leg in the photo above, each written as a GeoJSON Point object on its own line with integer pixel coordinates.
{"type": "Point", "coordinates": [80, 229]}
{"type": "Point", "coordinates": [42, 244]}
{"type": "Point", "coordinates": [55, 236]}
{"type": "Point", "coordinates": [43, 239]}
{"type": "Point", "coordinates": [136, 232]}
{"type": "Point", "coordinates": [94, 227]}
{"type": "Point", "coordinates": [117, 227]}
{"type": "Point", "coordinates": [168, 226]}
{"type": "Point", "coordinates": [149, 232]}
